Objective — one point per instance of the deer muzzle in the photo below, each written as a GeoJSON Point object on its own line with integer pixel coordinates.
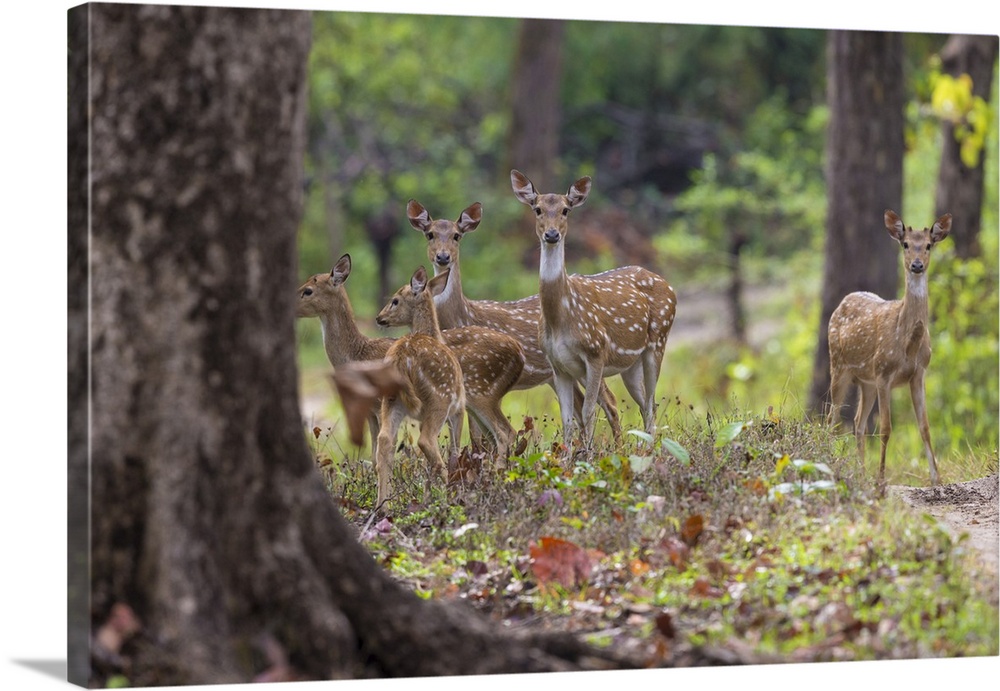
{"type": "Point", "coordinates": [551, 236]}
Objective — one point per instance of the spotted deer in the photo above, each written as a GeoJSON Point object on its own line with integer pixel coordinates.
{"type": "Point", "coordinates": [591, 327]}
{"type": "Point", "coordinates": [519, 318]}
{"type": "Point", "coordinates": [882, 344]}
{"type": "Point", "coordinates": [491, 362]}
{"type": "Point", "coordinates": [325, 296]}
{"type": "Point", "coordinates": [432, 393]}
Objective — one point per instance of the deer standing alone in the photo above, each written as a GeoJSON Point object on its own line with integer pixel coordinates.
{"type": "Point", "coordinates": [591, 327]}
{"type": "Point", "coordinates": [881, 344]}
{"type": "Point", "coordinates": [519, 318]}
{"type": "Point", "coordinates": [489, 361]}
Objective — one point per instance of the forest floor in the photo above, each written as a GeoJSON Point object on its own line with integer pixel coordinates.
{"type": "Point", "coordinates": [970, 507]}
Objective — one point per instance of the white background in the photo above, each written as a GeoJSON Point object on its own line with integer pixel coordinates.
{"type": "Point", "coordinates": [33, 335]}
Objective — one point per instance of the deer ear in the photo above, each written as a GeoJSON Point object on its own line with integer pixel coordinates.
{"type": "Point", "coordinates": [941, 228]}
{"type": "Point", "coordinates": [894, 224]}
{"type": "Point", "coordinates": [438, 283]}
{"type": "Point", "coordinates": [341, 270]}
{"type": "Point", "coordinates": [419, 218]}
{"type": "Point", "coordinates": [523, 189]}
{"type": "Point", "coordinates": [470, 218]}
{"type": "Point", "coordinates": [419, 280]}
{"type": "Point", "coordinates": [578, 192]}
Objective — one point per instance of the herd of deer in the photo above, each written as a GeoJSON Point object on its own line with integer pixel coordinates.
{"type": "Point", "coordinates": [462, 356]}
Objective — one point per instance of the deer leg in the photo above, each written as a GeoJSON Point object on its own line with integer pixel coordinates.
{"type": "Point", "coordinates": [594, 379]}
{"type": "Point", "coordinates": [610, 408]}
{"type": "Point", "coordinates": [651, 362]}
{"type": "Point", "coordinates": [456, 418]}
{"type": "Point", "coordinates": [565, 387]}
{"type": "Point", "coordinates": [867, 395]}
{"type": "Point", "coordinates": [636, 387]}
{"type": "Point", "coordinates": [885, 429]}
{"type": "Point", "coordinates": [373, 426]}
{"type": "Point", "coordinates": [839, 383]}
{"type": "Point", "coordinates": [389, 421]}
{"type": "Point", "coordinates": [430, 428]}
{"type": "Point", "coordinates": [917, 394]}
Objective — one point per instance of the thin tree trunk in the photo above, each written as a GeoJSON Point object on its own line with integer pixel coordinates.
{"type": "Point", "coordinates": [535, 112]}
{"type": "Point", "coordinates": [864, 159]}
{"type": "Point", "coordinates": [959, 186]}
{"type": "Point", "coordinates": [209, 519]}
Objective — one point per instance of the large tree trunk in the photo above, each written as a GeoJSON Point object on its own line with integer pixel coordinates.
{"type": "Point", "coordinates": [864, 160]}
{"type": "Point", "coordinates": [535, 113]}
{"type": "Point", "coordinates": [208, 517]}
{"type": "Point", "coordinates": [960, 187]}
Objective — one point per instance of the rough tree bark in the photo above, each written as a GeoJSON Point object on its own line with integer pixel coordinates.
{"type": "Point", "coordinates": [209, 519]}
{"type": "Point", "coordinates": [960, 187]}
{"type": "Point", "coordinates": [864, 175]}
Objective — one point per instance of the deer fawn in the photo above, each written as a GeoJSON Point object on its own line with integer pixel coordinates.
{"type": "Point", "coordinates": [491, 362]}
{"type": "Point", "coordinates": [881, 344]}
{"type": "Point", "coordinates": [591, 327]}
{"type": "Point", "coordinates": [324, 296]}
{"type": "Point", "coordinates": [432, 393]}
{"type": "Point", "coordinates": [519, 318]}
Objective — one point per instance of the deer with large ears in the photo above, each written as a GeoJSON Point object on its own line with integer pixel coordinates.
{"type": "Point", "coordinates": [592, 327]}
{"type": "Point", "coordinates": [324, 296]}
{"type": "Point", "coordinates": [881, 344]}
{"type": "Point", "coordinates": [432, 393]}
{"type": "Point", "coordinates": [491, 362]}
{"type": "Point", "coordinates": [518, 318]}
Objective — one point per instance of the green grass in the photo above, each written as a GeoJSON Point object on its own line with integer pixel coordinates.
{"type": "Point", "coordinates": [744, 528]}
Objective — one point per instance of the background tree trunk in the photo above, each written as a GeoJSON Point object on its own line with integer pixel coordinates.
{"type": "Point", "coordinates": [959, 187]}
{"type": "Point", "coordinates": [535, 112]}
{"type": "Point", "coordinates": [209, 518]}
{"type": "Point", "coordinates": [864, 159]}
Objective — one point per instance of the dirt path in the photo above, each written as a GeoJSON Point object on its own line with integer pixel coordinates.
{"type": "Point", "coordinates": [964, 507]}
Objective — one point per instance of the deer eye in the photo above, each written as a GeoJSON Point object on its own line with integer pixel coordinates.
{"type": "Point", "coordinates": [538, 212]}
{"type": "Point", "coordinates": [307, 292]}
{"type": "Point", "coordinates": [395, 301]}
{"type": "Point", "coordinates": [906, 245]}
{"type": "Point", "coordinates": [566, 211]}
{"type": "Point", "coordinates": [457, 237]}
{"type": "Point", "coordinates": [428, 236]}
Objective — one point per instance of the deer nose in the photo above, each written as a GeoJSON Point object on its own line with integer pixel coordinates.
{"type": "Point", "coordinates": [916, 266]}
{"type": "Point", "coordinates": [551, 236]}
{"type": "Point", "coordinates": [443, 258]}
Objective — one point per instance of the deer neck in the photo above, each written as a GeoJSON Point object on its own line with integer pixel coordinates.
{"type": "Point", "coordinates": [342, 338]}
{"type": "Point", "coordinates": [915, 305]}
{"type": "Point", "coordinates": [553, 284]}
{"type": "Point", "coordinates": [425, 320]}
{"type": "Point", "coordinates": [451, 306]}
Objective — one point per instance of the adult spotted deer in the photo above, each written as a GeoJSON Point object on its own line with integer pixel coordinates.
{"type": "Point", "coordinates": [491, 362]}
{"type": "Point", "coordinates": [519, 318]}
{"type": "Point", "coordinates": [881, 344]}
{"type": "Point", "coordinates": [592, 327]}
{"type": "Point", "coordinates": [324, 296]}
{"type": "Point", "coordinates": [432, 393]}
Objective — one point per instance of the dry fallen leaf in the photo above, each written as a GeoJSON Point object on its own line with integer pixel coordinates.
{"type": "Point", "coordinates": [560, 561]}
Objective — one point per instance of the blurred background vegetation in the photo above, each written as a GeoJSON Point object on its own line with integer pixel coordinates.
{"type": "Point", "coordinates": [706, 145]}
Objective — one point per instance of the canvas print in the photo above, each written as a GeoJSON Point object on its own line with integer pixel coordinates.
{"type": "Point", "coordinates": [425, 345]}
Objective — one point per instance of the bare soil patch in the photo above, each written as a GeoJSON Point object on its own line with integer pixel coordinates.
{"type": "Point", "coordinates": [970, 507]}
